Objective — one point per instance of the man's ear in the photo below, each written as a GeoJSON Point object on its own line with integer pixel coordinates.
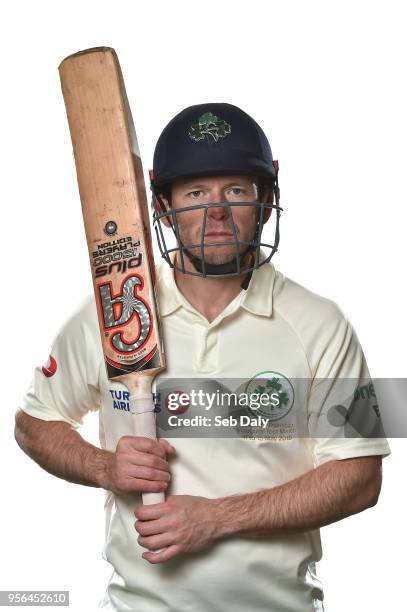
{"type": "Point", "coordinates": [158, 205]}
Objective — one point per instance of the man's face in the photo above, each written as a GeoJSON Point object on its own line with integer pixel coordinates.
{"type": "Point", "coordinates": [219, 227]}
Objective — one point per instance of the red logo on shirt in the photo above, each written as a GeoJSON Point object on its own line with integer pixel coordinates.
{"type": "Point", "coordinates": [49, 368]}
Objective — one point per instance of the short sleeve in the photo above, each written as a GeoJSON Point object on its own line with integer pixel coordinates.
{"type": "Point", "coordinates": [344, 418]}
{"type": "Point", "coordinates": [67, 386]}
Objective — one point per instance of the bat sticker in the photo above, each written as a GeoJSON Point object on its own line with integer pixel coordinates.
{"type": "Point", "coordinates": [121, 309]}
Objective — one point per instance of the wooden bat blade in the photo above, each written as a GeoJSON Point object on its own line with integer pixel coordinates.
{"type": "Point", "coordinates": [114, 206]}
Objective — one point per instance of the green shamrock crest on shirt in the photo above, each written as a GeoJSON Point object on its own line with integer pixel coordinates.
{"type": "Point", "coordinates": [273, 385]}
{"type": "Point", "coordinates": [279, 391]}
{"type": "Point", "coordinates": [209, 127]}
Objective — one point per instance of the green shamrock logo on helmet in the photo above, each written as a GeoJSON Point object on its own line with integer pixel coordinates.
{"type": "Point", "coordinates": [209, 127]}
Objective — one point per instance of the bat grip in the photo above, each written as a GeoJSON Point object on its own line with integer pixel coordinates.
{"type": "Point", "coordinates": [142, 409]}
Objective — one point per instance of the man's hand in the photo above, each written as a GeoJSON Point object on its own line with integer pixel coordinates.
{"type": "Point", "coordinates": [182, 523]}
{"type": "Point", "coordinates": [138, 464]}
{"type": "Point", "coordinates": [326, 494]}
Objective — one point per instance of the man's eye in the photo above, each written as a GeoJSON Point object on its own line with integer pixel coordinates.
{"type": "Point", "coordinates": [237, 191]}
{"type": "Point", "coordinates": [195, 194]}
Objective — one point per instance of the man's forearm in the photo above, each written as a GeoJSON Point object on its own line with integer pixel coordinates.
{"type": "Point", "coordinates": [324, 495]}
{"type": "Point", "coordinates": [61, 450]}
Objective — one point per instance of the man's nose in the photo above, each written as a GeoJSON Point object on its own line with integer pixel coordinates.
{"type": "Point", "coordinates": [218, 212]}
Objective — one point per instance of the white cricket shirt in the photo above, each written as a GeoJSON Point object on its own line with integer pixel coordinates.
{"type": "Point", "coordinates": [275, 326]}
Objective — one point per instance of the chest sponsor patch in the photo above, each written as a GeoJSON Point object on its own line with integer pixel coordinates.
{"type": "Point", "coordinates": [120, 399]}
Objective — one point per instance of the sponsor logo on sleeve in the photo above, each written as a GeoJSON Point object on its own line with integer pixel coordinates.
{"type": "Point", "coordinates": [50, 367]}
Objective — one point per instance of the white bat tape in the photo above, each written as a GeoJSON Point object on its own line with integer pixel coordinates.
{"type": "Point", "coordinates": [141, 403]}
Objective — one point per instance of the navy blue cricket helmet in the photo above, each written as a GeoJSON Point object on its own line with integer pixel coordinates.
{"type": "Point", "coordinates": [208, 140]}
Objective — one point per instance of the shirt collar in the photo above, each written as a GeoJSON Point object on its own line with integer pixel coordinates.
{"type": "Point", "coordinates": [257, 299]}
{"type": "Point", "coordinates": [167, 290]}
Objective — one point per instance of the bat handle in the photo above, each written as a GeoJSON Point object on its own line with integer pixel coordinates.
{"type": "Point", "coordinates": [142, 409]}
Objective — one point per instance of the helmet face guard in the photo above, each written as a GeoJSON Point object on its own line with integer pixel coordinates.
{"type": "Point", "coordinates": [248, 256]}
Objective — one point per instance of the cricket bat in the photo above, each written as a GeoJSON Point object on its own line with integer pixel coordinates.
{"type": "Point", "coordinates": [115, 213]}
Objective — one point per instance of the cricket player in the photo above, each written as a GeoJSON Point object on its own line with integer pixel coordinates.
{"type": "Point", "coordinates": [239, 529]}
